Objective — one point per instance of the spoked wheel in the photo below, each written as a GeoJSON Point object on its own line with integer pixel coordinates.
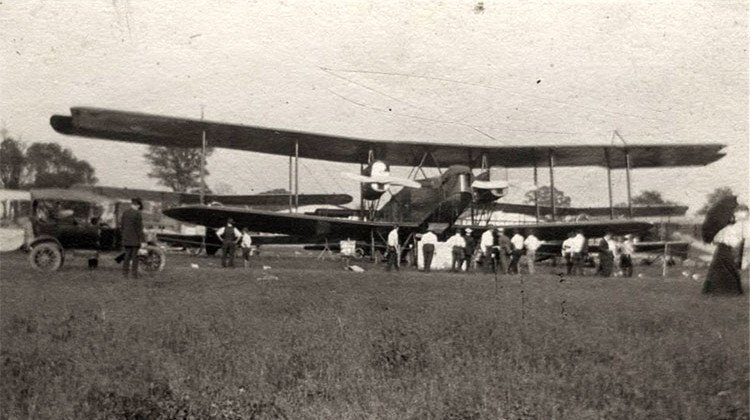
{"type": "Point", "coordinates": [152, 259]}
{"type": "Point", "coordinates": [46, 256]}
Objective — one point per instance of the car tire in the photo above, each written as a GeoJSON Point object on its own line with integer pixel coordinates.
{"type": "Point", "coordinates": [46, 256]}
{"type": "Point", "coordinates": [153, 259]}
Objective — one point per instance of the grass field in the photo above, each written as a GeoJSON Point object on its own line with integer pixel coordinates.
{"type": "Point", "coordinates": [311, 340]}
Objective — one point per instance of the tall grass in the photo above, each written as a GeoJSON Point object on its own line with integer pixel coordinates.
{"type": "Point", "coordinates": [324, 343]}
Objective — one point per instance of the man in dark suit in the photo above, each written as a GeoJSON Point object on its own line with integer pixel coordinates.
{"type": "Point", "coordinates": [131, 227]}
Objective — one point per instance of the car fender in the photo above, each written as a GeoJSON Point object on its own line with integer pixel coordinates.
{"type": "Point", "coordinates": [45, 238]}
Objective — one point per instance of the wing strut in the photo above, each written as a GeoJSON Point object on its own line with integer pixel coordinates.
{"type": "Point", "coordinates": [536, 189]}
{"type": "Point", "coordinates": [296, 176]}
{"type": "Point", "coordinates": [609, 184]}
{"type": "Point", "coordinates": [627, 177]}
{"type": "Point", "coordinates": [291, 197]}
{"type": "Point", "coordinates": [552, 183]}
{"type": "Point", "coordinates": [203, 162]}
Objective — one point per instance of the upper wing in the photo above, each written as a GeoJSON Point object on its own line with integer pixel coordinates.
{"type": "Point", "coordinates": [306, 226]}
{"type": "Point", "coordinates": [182, 132]}
{"type": "Point", "coordinates": [638, 211]}
{"type": "Point", "coordinates": [559, 231]}
{"type": "Point", "coordinates": [177, 198]}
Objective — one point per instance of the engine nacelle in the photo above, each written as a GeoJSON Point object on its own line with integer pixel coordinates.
{"type": "Point", "coordinates": [489, 190]}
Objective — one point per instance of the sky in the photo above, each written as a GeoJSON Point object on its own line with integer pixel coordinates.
{"type": "Point", "coordinates": [503, 73]}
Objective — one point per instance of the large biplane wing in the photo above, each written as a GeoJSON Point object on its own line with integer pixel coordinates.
{"type": "Point", "coordinates": [315, 228]}
{"type": "Point", "coordinates": [638, 211]}
{"type": "Point", "coordinates": [275, 200]}
{"type": "Point", "coordinates": [183, 132]}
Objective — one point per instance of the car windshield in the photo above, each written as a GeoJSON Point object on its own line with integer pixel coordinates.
{"type": "Point", "coordinates": [65, 211]}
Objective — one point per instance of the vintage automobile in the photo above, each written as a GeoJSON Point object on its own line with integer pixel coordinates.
{"type": "Point", "coordinates": [67, 221]}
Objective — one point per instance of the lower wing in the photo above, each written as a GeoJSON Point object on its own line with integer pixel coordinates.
{"type": "Point", "coordinates": [310, 227]}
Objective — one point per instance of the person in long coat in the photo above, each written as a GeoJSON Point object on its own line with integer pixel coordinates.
{"type": "Point", "coordinates": [131, 228]}
{"type": "Point", "coordinates": [606, 256]}
{"type": "Point", "coordinates": [723, 276]}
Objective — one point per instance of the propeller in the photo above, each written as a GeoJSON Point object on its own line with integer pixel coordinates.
{"type": "Point", "coordinates": [380, 178]}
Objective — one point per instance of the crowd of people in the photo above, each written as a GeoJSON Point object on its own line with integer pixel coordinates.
{"type": "Point", "coordinates": [497, 252]}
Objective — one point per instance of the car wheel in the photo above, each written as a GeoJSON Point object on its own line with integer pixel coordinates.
{"type": "Point", "coordinates": [46, 256]}
{"type": "Point", "coordinates": [152, 259]}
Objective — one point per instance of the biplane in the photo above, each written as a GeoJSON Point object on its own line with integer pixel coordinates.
{"type": "Point", "coordinates": [463, 182]}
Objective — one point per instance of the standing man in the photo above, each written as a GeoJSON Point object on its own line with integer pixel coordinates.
{"type": "Point", "coordinates": [485, 244]}
{"type": "Point", "coordinates": [470, 245]}
{"type": "Point", "coordinates": [505, 249]}
{"type": "Point", "coordinates": [133, 236]}
{"type": "Point", "coordinates": [626, 256]}
{"type": "Point", "coordinates": [579, 251]}
{"type": "Point", "coordinates": [567, 252]}
{"type": "Point", "coordinates": [393, 252]}
{"type": "Point", "coordinates": [246, 244]}
{"type": "Point", "coordinates": [429, 240]}
{"type": "Point", "coordinates": [229, 236]}
{"type": "Point", "coordinates": [516, 253]}
{"type": "Point", "coordinates": [457, 244]}
{"type": "Point", "coordinates": [531, 243]}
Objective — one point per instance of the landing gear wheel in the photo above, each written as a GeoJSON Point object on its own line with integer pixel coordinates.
{"type": "Point", "coordinates": [47, 257]}
{"type": "Point", "coordinates": [152, 259]}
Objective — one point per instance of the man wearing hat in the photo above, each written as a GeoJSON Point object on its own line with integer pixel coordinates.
{"type": "Point", "coordinates": [229, 236]}
{"type": "Point", "coordinates": [505, 249]}
{"type": "Point", "coordinates": [429, 240]}
{"type": "Point", "coordinates": [131, 227]}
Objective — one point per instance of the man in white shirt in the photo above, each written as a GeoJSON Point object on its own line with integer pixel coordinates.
{"type": "Point", "coordinates": [485, 244]}
{"type": "Point", "coordinates": [229, 236]}
{"type": "Point", "coordinates": [517, 241]}
{"type": "Point", "coordinates": [577, 253]}
{"type": "Point", "coordinates": [567, 252]}
{"type": "Point", "coordinates": [457, 244]}
{"type": "Point", "coordinates": [531, 243]}
{"type": "Point", "coordinates": [393, 249]}
{"type": "Point", "coordinates": [246, 244]}
{"type": "Point", "coordinates": [429, 240]}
